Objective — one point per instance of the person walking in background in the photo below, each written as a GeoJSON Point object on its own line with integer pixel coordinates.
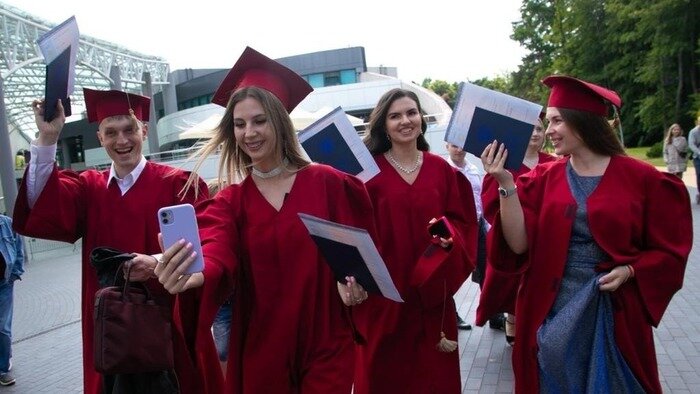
{"type": "Point", "coordinates": [410, 347]}
{"type": "Point", "coordinates": [115, 208]}
{"type": "Point", "coordinates": [500, 290]}
{"type": "Point", "coordinates": [457, 158]}
{"type": "Point", "coordinates": [11, 269]}
{"type": "Point", "coordinates": [602, 240]}
{"type": "Point", "coordinates": [694, 146]}
{"type": "Point", "coordinates": [291, 330]}
{"type": "Point", "coordinates": [675, 151]}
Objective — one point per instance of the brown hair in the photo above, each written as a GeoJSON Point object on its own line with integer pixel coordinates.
{"type": "Point", "coordinates": [234, 163]}
{"type": "Point", "coordinates": [377, 141]}
{"type": "Point", "coordinates": [595, 131]}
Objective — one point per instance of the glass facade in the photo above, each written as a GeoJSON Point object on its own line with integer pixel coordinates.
{"type": "Point", "coordinates": [195, 102]}
{"type": "Point", "coordinates": [331, 78]}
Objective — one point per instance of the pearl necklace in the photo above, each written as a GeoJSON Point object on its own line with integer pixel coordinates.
{"type": "Point", "coordinates": [273, 172]}
{"type": "Point", "coordinates": [419, 160]}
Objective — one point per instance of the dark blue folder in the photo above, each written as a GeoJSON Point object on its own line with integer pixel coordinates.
{"type": "Point", "coordinates": [57, 74]}
{"type": "Point", "coordinates": [487, 126]}
{"type": "Point", "coordinates": [329, 147]}
{"type": "Point", "coordinates": [345, 260]}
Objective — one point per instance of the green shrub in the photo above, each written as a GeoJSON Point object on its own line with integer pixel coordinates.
{"type": "Point", "coordinates": [656, 150]}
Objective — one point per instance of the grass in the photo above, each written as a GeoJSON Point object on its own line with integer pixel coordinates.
{"type": "Point", "coordinates": [640, 153]}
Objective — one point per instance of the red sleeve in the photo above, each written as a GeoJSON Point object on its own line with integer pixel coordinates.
{"type": "Point", "coordinates": [218, 228]}
{"type": "Point", "coordinates": [441, 272]}
{"type": "Point", "coordinates": [660, 267]}
{"type": "Point", "coordinates": [59, 212]}
{"type": "Point", "coordinates": [501, 257]}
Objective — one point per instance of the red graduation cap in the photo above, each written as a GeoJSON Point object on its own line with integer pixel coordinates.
{"type": "Point", "coordinates": [571, 93]}
{"type": "Point", "coordinates": [256, 69]}
{"type": "Point", "coordinates": [102, 104]}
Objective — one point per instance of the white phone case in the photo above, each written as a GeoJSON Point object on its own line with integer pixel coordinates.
{"type": "Point", "coordinates": [180, 222]}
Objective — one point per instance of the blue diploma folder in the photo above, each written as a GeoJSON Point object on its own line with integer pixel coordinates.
{"type": "Point", "coordinates": [487, 126]}
{"type": "Point", "coordinates": [329, 147]}
{"type": "Point", "coordinates": [57, 74]}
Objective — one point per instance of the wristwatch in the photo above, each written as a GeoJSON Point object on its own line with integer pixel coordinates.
{"type": "Point", "coordinates": [507, 192]}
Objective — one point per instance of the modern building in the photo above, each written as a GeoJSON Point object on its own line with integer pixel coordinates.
{"type": "Point", "coordinates": [340, 78]}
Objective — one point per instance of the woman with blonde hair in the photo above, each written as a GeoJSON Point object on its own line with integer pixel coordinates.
{"type": "Point", "coordinates": [676, 150]}
{"type": "Point", "coordinates": [291, 331]}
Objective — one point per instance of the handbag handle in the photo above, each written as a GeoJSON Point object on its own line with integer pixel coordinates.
{"type": "Point", "coordinates": [128, 283]}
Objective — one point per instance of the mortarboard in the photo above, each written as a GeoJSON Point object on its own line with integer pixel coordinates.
{"type": "Point", "coordinates": [102, 104]}
{"type": "Point", "coordinates": [571, 93]}
{"type": "Point", "coordinates": [255, 69]}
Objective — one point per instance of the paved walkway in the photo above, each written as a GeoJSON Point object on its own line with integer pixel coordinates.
{"type": "Point", "coordinates": [47, 346]}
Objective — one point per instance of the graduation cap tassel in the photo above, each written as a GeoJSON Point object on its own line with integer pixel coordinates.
{"type": "Point", "coordinates": [445, 345]}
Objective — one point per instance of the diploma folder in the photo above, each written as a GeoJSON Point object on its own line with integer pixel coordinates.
{"type": "Point", "coordinates": [333, 140]}
{"type": "Point", "coordinates": [482, 115]}
{"type": "Point", "coordinates": [57, 74]}
{"type": "Point", "coordinates": [350, 251]}
{"type": "Point", "coordinates": [59, 46]}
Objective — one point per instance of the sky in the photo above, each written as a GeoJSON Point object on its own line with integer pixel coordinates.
{"type": "Point", "coordinates": [438, 39]}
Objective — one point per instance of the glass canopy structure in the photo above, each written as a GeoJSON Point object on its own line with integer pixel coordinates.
{"type": "Point", "coordinates": [101, 65]}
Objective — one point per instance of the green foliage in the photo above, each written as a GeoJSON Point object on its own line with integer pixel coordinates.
{"type": "Point", "coordinates": [656, 150]}
{"type": "Point", "coordinates": [446, 90]}
{"type": "Point", "coordinates": [646, 50]}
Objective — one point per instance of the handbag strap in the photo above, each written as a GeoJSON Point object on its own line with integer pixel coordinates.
{"type": "Point", "coordinates": [128, 283]}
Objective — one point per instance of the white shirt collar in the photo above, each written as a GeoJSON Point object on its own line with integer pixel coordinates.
{"type": "Point", "coordinates": [129, 180]}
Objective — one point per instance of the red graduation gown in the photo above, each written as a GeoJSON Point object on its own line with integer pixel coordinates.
{"type": "Point", "coordinates": [290, 331]}
{"type": "Point", "coordinates": [639, 216]}
{"type": "Point", "coordinates": [400, 354]}
{"type": "Point", "coordinates": [499, 289]}
{"type": "Point", "coordinates": [73, 206]}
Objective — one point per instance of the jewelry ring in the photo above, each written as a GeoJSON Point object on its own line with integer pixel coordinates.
{"type": "Point", "coordinates": [180, 277]}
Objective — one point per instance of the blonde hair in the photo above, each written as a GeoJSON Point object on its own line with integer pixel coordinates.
{"type": "Point", "coordinates": [669, 137]}
{"type": "Point", "coordinates": [234, 163]}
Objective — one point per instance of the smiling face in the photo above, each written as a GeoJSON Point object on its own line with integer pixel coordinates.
{"type": "Point", "coordinates": [403, 121]}
{"type": "Point", "coordinates": [254, 134]}
{"type": "Point", "coordinates": [122, 137]}
{"type": "Point", "coordinates": [564, 138]}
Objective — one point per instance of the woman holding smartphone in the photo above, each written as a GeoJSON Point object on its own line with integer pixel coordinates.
{"type": "Point", "coordinates": [411, 347]}
{"type": "Point", "coordinates": [291, 331]}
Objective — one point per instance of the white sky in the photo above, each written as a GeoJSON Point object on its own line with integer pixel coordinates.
{"type": "Point", "coordinates": [450, 40]}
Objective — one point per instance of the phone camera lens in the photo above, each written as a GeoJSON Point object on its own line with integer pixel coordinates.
{"type": "Point", "coordinates": [165, 221]}
{"type": "Point", "coordinates": [164, 214]}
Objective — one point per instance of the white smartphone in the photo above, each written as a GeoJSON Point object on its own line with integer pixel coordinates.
{"type": "Point", "coordinates": [180, 222]}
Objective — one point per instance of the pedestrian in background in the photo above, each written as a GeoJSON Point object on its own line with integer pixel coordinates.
{"type": "Point", "coordinates": [11, 269]}
{"type": "Point", "coordinates": [676, 151]}
{"type": "Point", "coordinates": [694, 146]}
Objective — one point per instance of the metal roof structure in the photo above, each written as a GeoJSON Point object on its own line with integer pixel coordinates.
{"type": "Point", "coordinates": [100, 65]}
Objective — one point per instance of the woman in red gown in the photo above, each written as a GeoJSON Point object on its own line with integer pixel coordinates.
{"type": "Point", "coordinates": [601, 240]}
{"type": "Point", "coordinates": [413, 187]}
{"type": "Point", "coordinates": [290, 330]}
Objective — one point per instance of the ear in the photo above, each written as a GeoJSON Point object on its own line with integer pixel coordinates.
{"type": "Point", "coordinates": [144, 129]}
{"type": "Point", "coordinates": [99, 137]}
